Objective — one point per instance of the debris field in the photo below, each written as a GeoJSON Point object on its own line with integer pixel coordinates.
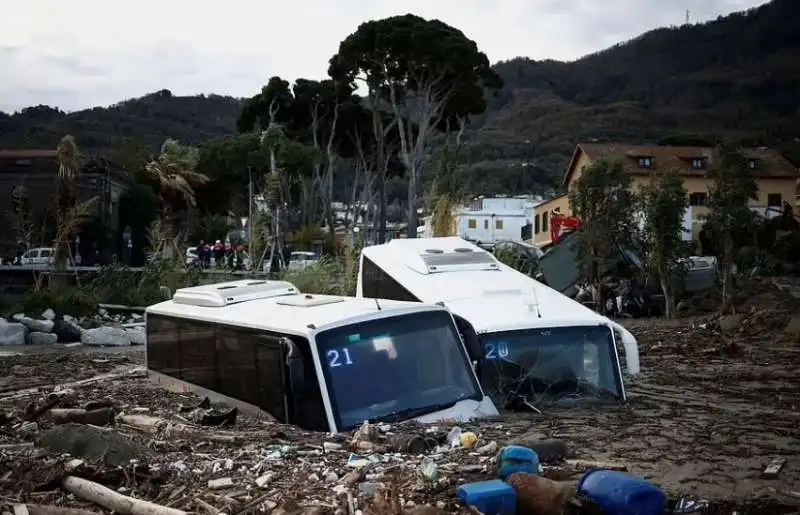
{"type": "Point", "coordinates": [713, 417]}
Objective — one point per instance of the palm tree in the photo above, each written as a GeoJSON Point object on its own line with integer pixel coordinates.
{"type": "Point", "coordinates": [69, 162]}
{"type": "Point", "coordinates": [174, 172]}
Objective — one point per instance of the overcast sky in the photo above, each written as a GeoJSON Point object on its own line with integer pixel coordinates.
{"type": "Point", "coordinates": [86, 53]}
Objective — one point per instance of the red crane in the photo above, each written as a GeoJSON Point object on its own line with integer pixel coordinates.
{"type": "Point", "coordinates": [559, 221]}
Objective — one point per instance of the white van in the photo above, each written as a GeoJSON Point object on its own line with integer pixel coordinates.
{"type": "Point", "coordinates": [42, 256]}
{"type": "Point", "coordinates": [321, 362]}
{"type": "Point", "coordinates": [532, 344]}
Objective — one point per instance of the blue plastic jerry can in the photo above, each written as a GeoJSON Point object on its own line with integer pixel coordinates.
{"type": "Point", "coordinates": [516, 458]}
{"type": "Point", "coordinates": [493, 497]}
{"type": "Point", "coordinates": [618, 493]}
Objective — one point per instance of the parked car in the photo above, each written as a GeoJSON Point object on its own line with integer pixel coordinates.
{"type": "Point", "coordinates": [41, 256]}
{"type": "Point", "coordinates": [191, 256]}
{"type": "Point", "coordinates": [301, 259]}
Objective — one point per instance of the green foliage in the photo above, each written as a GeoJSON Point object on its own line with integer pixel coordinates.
{"type": "Point", "coordinates": [729, 214]}
{"type": "Point", "coordinates": [663, 203]}
{"type": "Point", "coordinates": [72, 301]}
{"type": "Point", "coordinates": [408, 56]}
{"type": "Point", "coordinates": [601, 198]}
{"type": "Point", "coordinates": [328, 276]}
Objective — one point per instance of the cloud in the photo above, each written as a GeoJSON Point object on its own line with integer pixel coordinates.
{"type": "Point", "coordinates": [97, 52]}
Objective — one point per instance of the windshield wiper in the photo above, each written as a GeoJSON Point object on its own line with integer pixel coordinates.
{"type": "Point", "coordinates": [400, 415]}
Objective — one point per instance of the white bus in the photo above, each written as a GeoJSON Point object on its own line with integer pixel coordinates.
{"type": "Point", "coordinates": [532, 345]}
{"type": "Point", "coordinates": [320, 362]}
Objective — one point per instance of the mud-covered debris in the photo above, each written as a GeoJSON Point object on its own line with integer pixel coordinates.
{"type": "Point", "coordinates": [92, 444]}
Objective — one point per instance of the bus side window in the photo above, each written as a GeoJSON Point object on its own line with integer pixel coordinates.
{"type": "Point", "coordinates": [163, 345]}
{"type": "Point", "coordinates": [377, 284]}
{"type": "Point", "coordinates": [306, 408]}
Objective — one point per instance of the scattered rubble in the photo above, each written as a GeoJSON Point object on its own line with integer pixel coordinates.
{"type": "Point", "coordinates": [714, 413]}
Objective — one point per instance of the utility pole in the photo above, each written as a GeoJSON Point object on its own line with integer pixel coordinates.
{"type": "Point", "coordinates": [687, 17]}
{"type": "Point", "coordinates": [250, 214]}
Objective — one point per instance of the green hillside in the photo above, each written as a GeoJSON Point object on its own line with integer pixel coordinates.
{"type": "Point", "coordinates": [734, 78]}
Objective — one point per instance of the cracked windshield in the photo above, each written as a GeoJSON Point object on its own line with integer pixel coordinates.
{"type": "Point", "coordinates": [535, 368]}
{"type": "Point", "coordinates": [394, 367]}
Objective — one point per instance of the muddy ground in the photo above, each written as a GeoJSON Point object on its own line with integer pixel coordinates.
{"type": "Point", "coordinates": [717, 402]}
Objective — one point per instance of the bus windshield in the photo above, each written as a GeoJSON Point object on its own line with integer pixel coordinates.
{"type": "Point", "coordinates": [550, 366]}
{"type": "Point", "coordinates": [395, 368]}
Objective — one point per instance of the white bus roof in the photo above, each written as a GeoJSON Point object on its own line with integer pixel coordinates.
{"type": "Point", "coordinates": [277, 306]}
{"type": "Point", "coordinates": [466, 278]}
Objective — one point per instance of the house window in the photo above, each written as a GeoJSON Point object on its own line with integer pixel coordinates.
{"type": "Point", "coordinates": [536, 224]}
{"type": "Point", "coordinates": [774, 200]}
{"type": "Point", "coordinates": [498, 224]}
{"type": "Point", "coordinates": [645, 162]}
{"type": "Point", "coordinates": [752, 164]}
{"type": "Point", "coordinates": [471, 223]}
{"type": "Point", "coordinates": [544, 221]}
{"type": "Point", "coordinates": [699, 198]}
{"type": "Point", "coordinates": [698, 164]}
{"type": "Point", "coordinates": [486, 224]}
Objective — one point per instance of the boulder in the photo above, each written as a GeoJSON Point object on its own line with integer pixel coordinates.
{"type": "Point", "coordinates": [41, 326]}
{"type": "Point", "coordinates": [13, 333]}
{"type": "Point", "coordinates": [48, 314]}
{"type": "Point", "coordinates": [136, 335]}
{"type": "Point", "coordinates": [67, 331]}
{"type": "Point", "coordinates": [37, 338]}
{"type": "Point", "coordinates": [106, 336]}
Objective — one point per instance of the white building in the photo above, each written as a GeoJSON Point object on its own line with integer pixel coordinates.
{"type": "Point", "coordinates": [488, 220]}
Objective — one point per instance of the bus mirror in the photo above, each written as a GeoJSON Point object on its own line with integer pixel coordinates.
{"type": "Point", "coordinates": [295, 367]}
{"type": "Point", "coordinates": [297, 378]}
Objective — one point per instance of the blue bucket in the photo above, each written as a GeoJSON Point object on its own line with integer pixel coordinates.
{"type": "Point", "coordinates": [516, 458]}
{"type": "Point", "coordinates": [618, 493]}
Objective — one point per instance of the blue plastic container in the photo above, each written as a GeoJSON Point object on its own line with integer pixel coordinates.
{"type": "Point", "coordinates": [490, 497]}
{"type": "Point", "coordinates": [618, 493]}
{"type": "Point", "coordinates": [516, 458]}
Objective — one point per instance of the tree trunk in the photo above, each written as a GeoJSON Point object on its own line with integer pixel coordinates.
{"type": "Point", "coordinates": [669, 299]}
{"type": "Point", "coordinates": [727, 275]}
{"type": "Point", "coordinates": [380, 160]}
{"type": "Point", "coordinates": [411, 230]}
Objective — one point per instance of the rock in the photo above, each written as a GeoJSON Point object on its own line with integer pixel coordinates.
{"type": "Point", "coordinates": [40, 326]}
{"type": "Point", "coordinates": [730, 323]}
{"type": "Point", "coordinates": [49, 314]}
{"type": "Point", "coordinates": [37, 338]}
{"type": "Point", "coordinates": [3, 321]}
{"type": "Point", "coordinates": [101, 336]}
{"type": "Point", "coordinates": [536, 494]}
{"type": "Point", "coordinates": [136, 335]}
{"type": "Point", "coordinates": [92, 444]}
{"type": "Point", "coordinates": [67, 331]}
{"type": "Point", "coordinates": [16, 317]}
{"type": "Point", "coordinates": [793, 327]}
{"type": "Point", "coordinates": [13, 333]}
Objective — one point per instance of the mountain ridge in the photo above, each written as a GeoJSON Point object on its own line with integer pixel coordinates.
{"type": "Point", "coordinates": [734, 78]}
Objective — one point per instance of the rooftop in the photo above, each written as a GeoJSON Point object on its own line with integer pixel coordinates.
{"type": "Point", "coordinates": [770, 162]}
{"type": "Point", "coordinates": [297, 314]}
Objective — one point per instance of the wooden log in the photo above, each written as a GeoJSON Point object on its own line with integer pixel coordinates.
{"type": "Point", "coordinates": [111, 500]}
{"type": "Point", "coordinates": [587, 464]}
{"type": "Point", "coordinates": [150, 424]}
{"type": "Point", "coordinates": [98, 417]}
{"type": "Point", "coordinates": [41, 410]}
{"type": "Point", "coordinates": [35, 509]}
